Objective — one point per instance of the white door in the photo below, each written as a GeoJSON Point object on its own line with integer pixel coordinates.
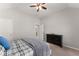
{"type": "Point", "coordinates": [41, 32]}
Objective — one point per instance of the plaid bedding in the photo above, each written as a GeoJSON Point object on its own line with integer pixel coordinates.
{"type": "Point", "coordinates": [19, 48]}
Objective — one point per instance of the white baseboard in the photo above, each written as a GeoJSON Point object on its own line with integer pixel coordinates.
{"type": "Point", "coordinates": [71, 47]}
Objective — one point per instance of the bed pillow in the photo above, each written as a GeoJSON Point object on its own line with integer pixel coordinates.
{"type": "Point", "coordinates": [1, 50]}
{"type": "Point", "coordinates": [4, 42]}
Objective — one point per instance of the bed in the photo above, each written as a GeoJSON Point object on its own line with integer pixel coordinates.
{"type": "Point", "coordinates": [28, 47]}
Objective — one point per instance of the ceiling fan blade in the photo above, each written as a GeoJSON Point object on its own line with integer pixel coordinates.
{"type": "Point", "coordinates": [33, 6]}
{"type": "Point", "coordinates": [43, 3]}
{"type": "Point", "coordinates": [43, 7]}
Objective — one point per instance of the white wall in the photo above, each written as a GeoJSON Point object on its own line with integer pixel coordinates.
{"type": "Point", "coordinates": [24, 26]}
{"type": "Point", "coordinates": [6, 22]}
{"type": "Point", "coordinates": [16, 24]}
{"type": "Point", "coordinates": [66, 23]}
{"type": "Point", "coordinates": [6, 28]}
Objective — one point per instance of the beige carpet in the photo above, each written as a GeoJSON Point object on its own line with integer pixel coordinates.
{"type": "Point", "coordinates": [57, 51]}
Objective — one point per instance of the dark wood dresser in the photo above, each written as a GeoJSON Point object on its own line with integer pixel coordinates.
{"type": "Point", "coordinates": [54, 39]}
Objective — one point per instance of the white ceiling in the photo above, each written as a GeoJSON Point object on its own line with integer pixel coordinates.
{"type": "Point", "coordinates": [51, 8]}
{"type": "Point", "coordinates": [24, 8]}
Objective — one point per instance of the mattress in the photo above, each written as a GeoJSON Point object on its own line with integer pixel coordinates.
{"type": "Point", "coordinates": [19, 48]}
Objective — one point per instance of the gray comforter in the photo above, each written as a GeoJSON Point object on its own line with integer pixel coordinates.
{"type": "Point", "coordinates": [40, 47]}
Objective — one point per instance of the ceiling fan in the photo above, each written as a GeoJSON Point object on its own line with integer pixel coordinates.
{"type": "Point", "coordinates": [39, 6]}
